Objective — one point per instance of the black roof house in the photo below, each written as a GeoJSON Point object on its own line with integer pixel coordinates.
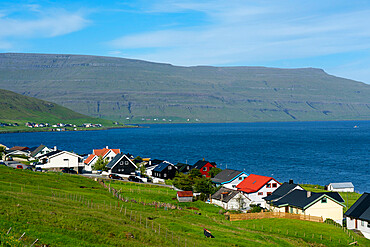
{"type": "Point", "coordinates": [121, 164]}
{"type": "Point", "coordinates": [303, 199]}
{"type": "Point", "coordinates": [164, 170]}
{"type": "Point", "coordinates": [183, 168]}
{"type": "Point", "coordinates": [283, 189]}
{"type": "Point", "coordinates": [360, 209]}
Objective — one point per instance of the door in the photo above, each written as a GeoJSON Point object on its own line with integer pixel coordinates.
{"type": "Point", "coordinates": [287, 209]}
{"type": "Point", "coordinates": [355, 223]}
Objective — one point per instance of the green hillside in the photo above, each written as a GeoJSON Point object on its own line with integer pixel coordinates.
{"type": "Point", "coordinates": [118, 88]}
{"type": "Point", "coordinates": [16, 108]}
{"type": "Point", "coordinates": [71, 210]}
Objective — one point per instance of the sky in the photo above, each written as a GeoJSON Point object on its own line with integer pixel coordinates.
{"type": "Point", "coordinates": [331, 35]}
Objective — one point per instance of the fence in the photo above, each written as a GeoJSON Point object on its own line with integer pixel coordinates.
{"type": "Point", "coordinates": [264, 215]}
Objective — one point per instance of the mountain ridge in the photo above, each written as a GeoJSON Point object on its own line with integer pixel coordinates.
{"type": "Point", "coordinates": [140, 91]}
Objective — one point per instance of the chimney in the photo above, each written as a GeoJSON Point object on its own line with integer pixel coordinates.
{"type": "Point", "coordinates": [203, 159]}
{"type": "Point", "coordinates": [290, 181]}
{"type": "Point", "coordinates": [308, 194]}
{"type": "Point", "coordinates": [55, 148]}
{"type": "Point", "coordinates": [106, 147]}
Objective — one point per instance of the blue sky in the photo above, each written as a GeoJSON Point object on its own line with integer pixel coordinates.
{"type": "Point", "coordinates": [332, 35]}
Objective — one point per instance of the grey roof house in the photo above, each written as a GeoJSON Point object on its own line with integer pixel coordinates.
{"type": "Point", "coordinates": [229, 178]}
{"type": "Point", "coordinates": [230, 199]}
{"type": "Point", "coordinates": [341, 187]}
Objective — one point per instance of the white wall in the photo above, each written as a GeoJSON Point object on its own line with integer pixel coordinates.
{"type": "Point", "coordinates": [234, 203]}
{"type": "Point", "coordinates": [361, 226]}
{"type": "Point", "coordinates": [235, 182]}
{"type": "Point", "coordinates": [64, 159]}
{"type": "Point", "coordinates": [257, 199]}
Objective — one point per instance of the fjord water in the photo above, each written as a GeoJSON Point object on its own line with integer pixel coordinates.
{"type": "Point", "coordinates": [307, 152]}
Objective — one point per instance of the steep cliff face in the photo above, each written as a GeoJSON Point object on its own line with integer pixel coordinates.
{"type": "Point", "coordinates": [120, 89]}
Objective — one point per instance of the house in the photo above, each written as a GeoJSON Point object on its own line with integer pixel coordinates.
{"type": "Point", "coordinates": [185, 196]}
{"type": "Point", "coordinates": [325, 205]}
{"type": "Point", "coordinates": [204, 167]}
{"type": "Point", "coordinates": [256, 187]}
{"type": "Point", "coordinates": [341, 187]}
{"type": "Point", "coordinates": [165, 170]}
{"type": "Point", "coordinates": [358, 215]}
{"type": "Point", "coordinates": [229, 178]}
{"type": "Point", "coordinates": [283, 189]}
{"type": "Point", "coordinates": [121, 164]}
{"type": "Point", "coordinates": [36, 152]}
{"type": "Point", "coordinates": [105, 153]}
{"type": "Point", "coordinates": [56, 160]}
{"type": "Point", "coordinates": [183, 168]}
{"type": "Point", "coordinates": [230, 199]}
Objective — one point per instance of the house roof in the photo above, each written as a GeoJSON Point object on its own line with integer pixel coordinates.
{"type": "Point", "coordinates": [104, 151]}
{"type": "Point", "coordinates": [253, 183]}
{"type": "Point", "coordinates": [162, 166]}
{"type": "Point", "coordinates": [300, 198]}
{"type": "Point", "coordinates": [90, 158]}
{"type": "Point", "coordinates": [185, 193]}
{"type": "Point", "coordinates": [181, 167]}
{"type": "Point", "coordinates": [35, 151]}
{"type": "Point", "coordinates": [225, 194]}
{"type": "Point", "coordinates": [342, 185]}
{"type": "Point", "coordinates": [51, 153]}
{"type": "Point", "coordinates": [226, 175]}
{"type": "Point", "coordinates": [201, 163]}
{"type": "Point", "coordinates": [156, 162]}
{"type": "Point", "coordinates": [117, 158]}
{"type": "Point", "coordinates": [283, 189]}
{"type": "Point", "coordinates": [18, 148]}
{"type": "Point", "coordinates": [360, 209]}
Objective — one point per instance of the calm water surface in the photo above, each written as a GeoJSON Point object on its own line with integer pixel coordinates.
{"type": "Point", "coordinates": [308, 152]}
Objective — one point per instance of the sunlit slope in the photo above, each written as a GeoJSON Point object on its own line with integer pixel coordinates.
{"type": "Point", "coordinates": [118, 88]}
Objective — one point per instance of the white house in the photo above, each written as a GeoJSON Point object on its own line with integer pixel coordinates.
{"type": "Point", "coordinates": [341, 187]}
{"type": "Point", "coordinates": [185, 196]}
{"type": "Point", "coordinates": [37, 152]}
{"type": "Point", "coordinates": [105, 153]}
{"type": "Point", "coordinates": [358, 216]}
{"type": "Point", "coordinates": [56, 160]}
{"type": "Point", "coordinates": [256, 187]}
{"type": "Point", "coordinates": [230, 199]}
{"type": "Point", "coordinates": [229, 178]}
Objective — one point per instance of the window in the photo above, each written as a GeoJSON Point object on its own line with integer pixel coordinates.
{"type": "Point", "coordinates": [274, 185]}
{"type": "Point", "coordinates": [240, 178]}
{"type": "Point", "coordinates": [362, 223]}
{"type": "Point", "coordinates": [268, 185]}
{"type": "Point", "coordinates": [126, 163]}
{"type": "Point", "coordinates": [169, 167]}
{"type": "Point", "coordinates": [205, 169]}
{"type": "Point", "coordinates": [260, 193]}
{"type": "Point", "coordinates": [121, 163]}
{"type": "Point", "coordinates": [165, 175]}
{"type": "Point", "coordinates": [269, 193]}
{"type": "Point", "coordinates": [324, 200]}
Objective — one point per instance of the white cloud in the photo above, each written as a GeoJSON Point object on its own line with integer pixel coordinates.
{"type": "Point", "coordinates": [42, 24]}
{"type": "Point", "coordinates": [241, 32]}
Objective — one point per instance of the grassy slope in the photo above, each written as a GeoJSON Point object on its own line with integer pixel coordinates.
{"type": "Point", "coordinates": [116, 88]}
{"type": "Point", "coordinates": [56, 209]}
{"type": "Point", "coordinates": [16, 108]}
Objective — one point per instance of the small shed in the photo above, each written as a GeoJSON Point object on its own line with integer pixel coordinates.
{"type": "Point", "coordinates": [341, 187]}
{"type": "Point", "coordinates": [185, 196]}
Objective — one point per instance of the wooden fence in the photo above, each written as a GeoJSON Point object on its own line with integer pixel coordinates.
{"type": "Point", "coordinates": [264, 215]}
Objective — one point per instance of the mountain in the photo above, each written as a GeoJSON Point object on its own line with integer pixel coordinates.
{"type": "Point", "coordinates": [120, 89]}
{"type": "Point", "coordinates": [16, 108]}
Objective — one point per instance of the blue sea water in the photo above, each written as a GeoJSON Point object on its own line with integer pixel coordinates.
{"type": "Point", "coordinates": [307, 152]}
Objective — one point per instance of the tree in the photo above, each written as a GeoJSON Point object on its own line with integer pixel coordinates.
{"type": "Point", "coordinates": [214, 171]}
{"type": "Point", "coordinates": [195, 173]}
{"type": "Point", "coordinates": [2, 149]}
{"type": "Point", "coordinates": [101, 164]}
{"type": "Point", "coordinates": [183, 182]}
{"type": "Point", "coordinates": [204, 185]}
{"type": "Point", "coordinates": [142, 170]}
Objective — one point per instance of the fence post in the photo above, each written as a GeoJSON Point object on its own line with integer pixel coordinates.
{"type": "Point", "coordinates": [34, 242]}
{"type": "Point", "coordinates": [9, 231]}
{"type": "Point", "coordinates": [21, 236]}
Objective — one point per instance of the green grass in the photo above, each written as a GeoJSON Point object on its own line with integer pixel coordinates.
{"type": "Point", "coordinates": [70, 210]}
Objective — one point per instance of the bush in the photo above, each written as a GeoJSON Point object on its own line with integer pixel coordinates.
{"type": "Point", "coordinates": [255, 209]}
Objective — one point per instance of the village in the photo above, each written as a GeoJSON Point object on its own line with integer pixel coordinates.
{"type": "Point", "coordinates": [250, 195]}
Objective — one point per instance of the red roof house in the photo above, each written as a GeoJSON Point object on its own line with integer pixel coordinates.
{"type": "Point", "coordinates": [256, 187]}
{"type": "Point", "coordinates": [204, 167]}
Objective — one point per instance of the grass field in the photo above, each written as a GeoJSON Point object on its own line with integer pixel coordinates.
{"type": "Point", "coordinates": [70, 210]}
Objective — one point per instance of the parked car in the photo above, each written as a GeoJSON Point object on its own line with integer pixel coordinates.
{"type": "Point", "coordinates": [135, 179]}
{"type": "Point", "coordinates": [115, 176]}
{"type": "Point", "coordinates": [68, 170]}
{"type": "Point", "coordinates": [19, 167]}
